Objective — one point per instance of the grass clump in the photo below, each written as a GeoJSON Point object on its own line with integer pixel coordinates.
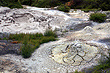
{"type": "Point", "coordinates": [103, 65]}
{"type": "Point", "coordinates": [32, 41]}
{"type": "Point", "coordinates": [64, 8]}
{"type": "Point", "coordinates": [98, 17]}
{"type": "Point", "coordinates": [45, 39]}
{"type": "Point", "coordinates": [50, 33]}
{"type": "Point", "coordinates": [78, 72]}
{"type": "Point", "coordinates": [26, 50]}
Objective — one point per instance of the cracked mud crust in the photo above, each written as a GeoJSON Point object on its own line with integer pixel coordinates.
{"type": "Point", "coordinates": [75, 53]}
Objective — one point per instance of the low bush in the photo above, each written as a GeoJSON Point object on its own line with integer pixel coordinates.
{"type": "Point", "coordinates": [47, 39]}
{"type": "Point", "coordinates": [50, 33]}
{"type": "Point", "coordinates": [32, 41]}
{"type": "Point", "coordinates": [64, 8]}
{"type": "Point", "coordinates": [98, 17]}
{"type": "Point", "coordinates": [103, 65]}
{"type": "Point", "coordinates": [78, 72]}
{"type": "Point", "coordinates": [26, 49]}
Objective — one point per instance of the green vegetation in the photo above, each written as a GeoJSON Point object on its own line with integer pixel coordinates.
{"type": "Point", "coordinates": [103, 66]}
{"type": "Point", "coordinates": [78, 72]}
{"type": "Point", "coordinates": [91, 4]}
{"type": "Point", "coordinates": [46, 3]}
{"type": "Point", "coordinates": [10, 3]}
{"type": "Point", "coordinates": [31, 41]}
{"type": "Point", "coordinates": [26, 49]}
{"type": "Point", "coordinates": [50, 33]}
{"type": "Point", "coordinates": [64, 8]}
{"type": "Point", "coordinates": [98, 17]}
{"type": "Point", "coordinates": [87, 10]}
{"type": "Point", "coordinates": [74, 4]}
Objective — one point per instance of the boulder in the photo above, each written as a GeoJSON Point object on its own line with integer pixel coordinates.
{"type": "Point", "coordinates": [80, 26]}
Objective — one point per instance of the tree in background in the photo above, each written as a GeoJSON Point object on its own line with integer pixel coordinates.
{"type": "Point", "coordinates": [10, 3]}
{"type": "Point", "coordinates": [75, 4]}
{"type": "Point", "coordinates": [70, 3]}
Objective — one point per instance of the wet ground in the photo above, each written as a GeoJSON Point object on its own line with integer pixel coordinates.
{"type": "Point", "coordinates": [106, 41]}
{"type": "Point", "coordinates": [7, 47]}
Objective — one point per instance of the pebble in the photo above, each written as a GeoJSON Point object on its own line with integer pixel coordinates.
{"type": "Point", "coordinates": [33, 59]}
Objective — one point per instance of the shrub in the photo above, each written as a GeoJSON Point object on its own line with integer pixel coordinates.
{"type": "Point", "coordinates": [47, 39]}
{"type": "Point", "coordinates": [98, 17]}
{"type": "Point", "coordinates": [64, 8]}
{"type": "Point", "coordinates": [50, 33]}
{"type": "Point", "coordinates": [103, 66]}
{"type": "Point", "coordinates": [77, 72]}
{"type": "Point", "coordinates": [26, 50]}
{"type": "Point", "coordinates": [32, 41]}
{"type": "Point", "coordinates": [37, 45]}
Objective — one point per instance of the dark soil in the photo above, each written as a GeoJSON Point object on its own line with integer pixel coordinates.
{"type": "Point", "coordinates": [6, 47]}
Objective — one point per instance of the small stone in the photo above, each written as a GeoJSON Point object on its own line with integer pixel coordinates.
{"type": "Point", "coordinates": [59, 68]}
{"type": "Point", "coordinates": [33, 59]}
{"type": "Point", "coordinates": [30, 68]}
{"type": "Point", "coordinates": [79, 49]}
{"type": "Point", "coordinates": [50, 56]}
{"type": "Point", "coordinates": [78, 45]}
{"type": "Point", "coordinates": [26, 64]}
{"type": "Point", "coordinates": [23, 66]}
{"type": "Point", "coordinates": [47, 71]}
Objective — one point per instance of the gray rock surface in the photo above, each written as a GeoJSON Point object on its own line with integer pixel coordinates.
{"type": "Point", "coordinates": [53, 57]}
{"type": "Point", "coordinates": [76, 53]}
{"type": "Point", "coordinates": [26, 21]}
{"type": "Point", "coordinates": [33, 20]}
{"type": "Point", "coordinates": [62, 56]}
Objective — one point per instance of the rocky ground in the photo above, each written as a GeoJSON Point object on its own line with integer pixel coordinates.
{"type": "Point", "coordinates": [81, 43]}
{"type": "Point", "coordinates": [8, 47]}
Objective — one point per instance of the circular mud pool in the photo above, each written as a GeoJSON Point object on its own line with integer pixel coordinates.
{"type": "Point", "coordinates": [75, 53]}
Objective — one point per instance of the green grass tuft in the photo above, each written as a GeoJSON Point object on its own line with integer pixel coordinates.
{"type": "Point", "coordinates": [32, 41]}
{"type": "Point", "coordinates": [98, 17]}
{"type": "Point", "coordinates": [64, 8]}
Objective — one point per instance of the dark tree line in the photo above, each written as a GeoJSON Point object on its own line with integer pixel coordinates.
{"type": "Point", "coordinates": [77, 4]}
{"type": "Point", "coordinates": [10, 3]}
